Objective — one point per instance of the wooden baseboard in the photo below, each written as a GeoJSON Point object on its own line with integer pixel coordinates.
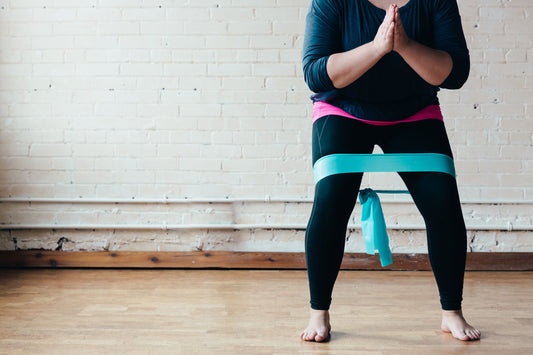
{"type": "Point", "coordinates": [244, 260]}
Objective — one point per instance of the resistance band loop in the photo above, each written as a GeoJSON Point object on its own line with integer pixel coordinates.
{"type": "Point", "coordinates": [372, 219]}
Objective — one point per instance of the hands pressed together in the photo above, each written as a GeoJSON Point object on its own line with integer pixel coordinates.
{"type": "Point", "coordinates": [430, 64]}
{"type": "Point", "coordinates": [391, 35]}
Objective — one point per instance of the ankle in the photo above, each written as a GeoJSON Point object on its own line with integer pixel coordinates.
{"type": "Point", "coordinates": [457, 312]}
{"type": "Point", "coordinates": [319, 314]}
{"type": "Point", "coordinates": [319, 311]}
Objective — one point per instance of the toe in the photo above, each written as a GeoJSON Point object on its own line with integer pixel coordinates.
{"type": "Point", "coordinates": [318, 338]}
{"type": "Point", "coordinates": [461, 335]}
{"type": "Point", "coordinates": [309, 336]}
{"type": "Point", "coordinates": [303, 336]}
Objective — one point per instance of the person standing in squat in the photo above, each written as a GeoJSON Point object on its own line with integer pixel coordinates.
{"type": "Point", "coordinates": [375, 67]}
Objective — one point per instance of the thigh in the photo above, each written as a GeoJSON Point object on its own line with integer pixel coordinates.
{"type": "Point", "coordinates": [336, 195]}
{"type": "Point", "coordinates": [434, 193]}
{"type": "Point", "coordinates": [336, 134]}
{"type": "Point", "coordinates": [427, 136]}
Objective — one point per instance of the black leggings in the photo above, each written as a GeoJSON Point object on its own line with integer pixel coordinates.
{"type": "Point", "coordinates": [435, 195]}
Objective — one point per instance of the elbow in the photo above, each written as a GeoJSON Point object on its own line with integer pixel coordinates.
{"type": "Point", "coordinates": [317, 83]}
{"type": "Point", "coordinates": [313, 85]}
{"type": "Point", "coordinates": [452, 86]}
{"type": "Point", "coordinates": [458, 74]}
{"type": "Point", "coordinates": [338, 82]}
{"type": "Point", "coordinates": [437, 82]}
{"type": "Point", "coordinates": [316, 76]}
{"type": "Point", "coordinates": [454, 81]}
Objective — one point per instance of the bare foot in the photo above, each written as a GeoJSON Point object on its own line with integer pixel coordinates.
{"type": "Point", "coordinates": [454, 322]}
{"type": "Point", "coordinates": [319, 328]}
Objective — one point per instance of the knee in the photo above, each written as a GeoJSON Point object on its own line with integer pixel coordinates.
{"type": "Point", "coordinates": [437, 197]}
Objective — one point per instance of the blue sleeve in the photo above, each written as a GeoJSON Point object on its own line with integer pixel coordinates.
{"type": "Point", "coordinates": [449, 37]}
{"type": "Point", "coordinates": [322, 38]}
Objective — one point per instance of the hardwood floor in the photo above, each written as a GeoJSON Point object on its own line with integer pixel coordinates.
{"type": "Point", "coordinates": [113, 311]}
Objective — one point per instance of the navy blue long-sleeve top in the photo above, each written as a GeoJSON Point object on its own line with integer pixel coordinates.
{"type": "Point", "coordinates": [390, 90]}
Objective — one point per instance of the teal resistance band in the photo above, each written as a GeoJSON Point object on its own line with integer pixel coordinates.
{"type": "Point", "coordinates": [372, 219]}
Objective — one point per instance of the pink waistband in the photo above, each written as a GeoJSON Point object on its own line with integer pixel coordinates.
{"type": "Point", "coordinates": [321, 109]}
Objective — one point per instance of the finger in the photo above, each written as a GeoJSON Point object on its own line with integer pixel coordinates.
{"type": "Point", "coordinates": [386, 23]}
{"type": "Point", "coordinates": [398, 19]}
{"type": "Point", "coordinates": [392, 10]}
{"type": "Point", "coordinates": [389, 14]}
{"type": "Point", "coordinates": [398, 24]}
{"type": "Point", "coordinates": [390, 30]}
{"type": "Point", "coordinates": [388, 17]}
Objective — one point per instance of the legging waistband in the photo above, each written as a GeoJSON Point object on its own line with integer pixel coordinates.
{"type": "Point", "coordinates": [321, 109]}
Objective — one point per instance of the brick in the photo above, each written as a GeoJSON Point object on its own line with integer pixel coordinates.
{"type": "Point", "coordinates": [286, 110]}
{"type": "Point", "coordinates": [249, 27]}
{"type": "Point", "coordinates": [92, 177]}
{"type": "Point", "coordinates": [501, 13]}
{"type": "Point", "coordinates": [75, 28]}
{"type": "Point", "coordinates": [502, 194]}
{"type": "Point", "coordinates": [517, 97]}
{"type": "Point", "coordinates": [33, 29]}
{"type": "Point", "coordinates": [281, 70]}
{"type": "Point", "coordinates": [143, 14]}
{"type": "Point", "coordinates": [282, 13]}
{"type": "Point", "coordinates": [236, 55]}
{"type": "Point", "coordinates": [518, 26]}
{"type": "Point", "coordinates": [60, 164]}
{"type": "Point", "coordinates": [146, 42]}
{"type": "Point", "coordinates": [272, 41]}
{"type": "Point", "coordinates": [185, 69]}
{"type": "Point", "coordinates": [232, 14]}
{"type": "Point", "coordinates": [243, 165]}
{"type": "Point", "coordinates": [12, 56]}
{"type": "Point", "coordinates": [135, 150]}
{"type": "Point", "coordinates": [516, 180]}
{"type": "Point", "coordinates": [14, 70]}
{"type": "Point", "coordinates": [184, 13]}
{"type": "Point", "coordinates": [141, 69]}
{"type": "Point", "coordinates": [502, 110]}
{"type": "Point", "coordinates": [98, 69]}
{"type": "Point", "coordinates": [227, 42]}
{"type": "Point", "coordinates": [89, 42]}
{"type": "Point", "coordinates": [229, 69]}
{"type": "Point", "coordinates": [274, 151]}
{"type": "Point", "coordinates": [516, 55]}
{"type": "Point", "coordinates": [119, 28]}
{"type": "Point", "coordinates": [53, 14]}
{"type": "Point", "coordinates": [205, 28]}
{"type": "Point", "coordinates": [207, 110]}
{"type": "Point", "coordinates": [92, 150]}
{"type": "Point", "coordinates": [243, 83]}
{"type": "Point", "coordinates": [188, 164]}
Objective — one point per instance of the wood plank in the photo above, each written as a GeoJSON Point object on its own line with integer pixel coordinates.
{"type": "Point", "coordinates": [244, 260]}
{"type": "Point", "coordinates": [192, 311]}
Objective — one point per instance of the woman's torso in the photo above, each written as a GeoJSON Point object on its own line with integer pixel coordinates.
{"type": "Point", "coordinates": [390, 87]}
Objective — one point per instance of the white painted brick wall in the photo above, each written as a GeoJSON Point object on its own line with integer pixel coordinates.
{"type": "Point", "coordinates": [122, 99]}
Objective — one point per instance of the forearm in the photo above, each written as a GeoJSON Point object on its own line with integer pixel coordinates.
{"type": "Point", "coordinates": [430, 64]}
{"type": "Point", "coordinates": [345, 68]}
